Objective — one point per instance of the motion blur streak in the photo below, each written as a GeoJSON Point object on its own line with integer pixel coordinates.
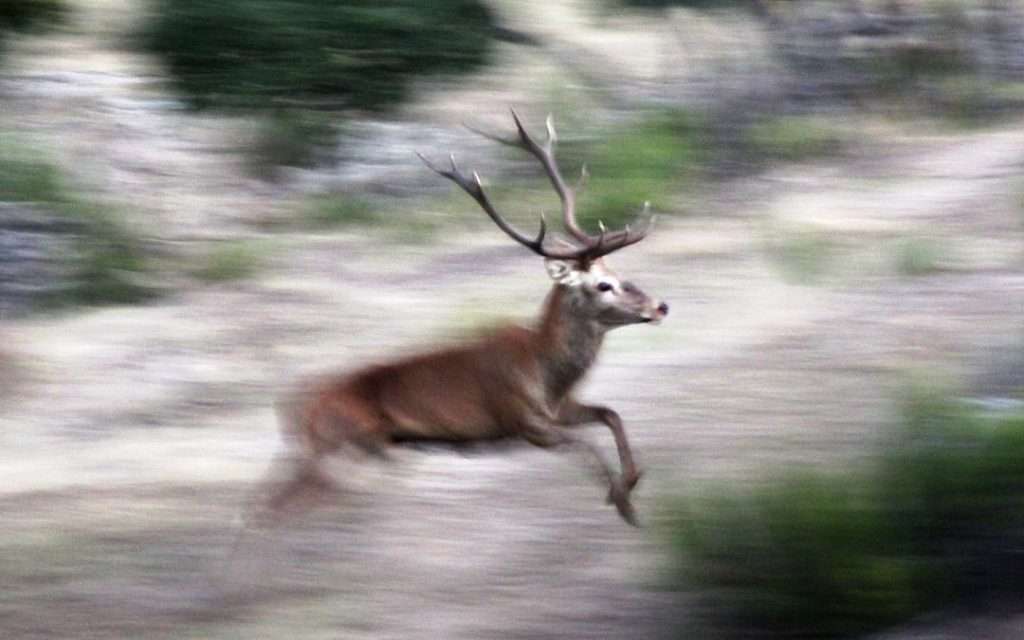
{"type": "Point", "coordinates": [203, 203]}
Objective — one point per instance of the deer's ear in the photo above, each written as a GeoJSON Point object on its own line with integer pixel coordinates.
{"type": "Point", "coordinates": [564, 272]}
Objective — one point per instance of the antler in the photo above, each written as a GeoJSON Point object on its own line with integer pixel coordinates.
{"type": "Point", "coordinates": [591, 247]}
{"type": "Point", "coordinates": [475, 189]}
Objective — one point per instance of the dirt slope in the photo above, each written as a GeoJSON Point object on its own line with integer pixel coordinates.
{"type": "Point", "coordinates": [135, 435]}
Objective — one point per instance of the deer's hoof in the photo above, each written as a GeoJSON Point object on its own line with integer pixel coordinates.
{"type": "Point", "coordinates": [624, 485]}
{"type": "Point", "coordinates": [628, 513]}
{"type": "Point", "coordinates": [619, 496]}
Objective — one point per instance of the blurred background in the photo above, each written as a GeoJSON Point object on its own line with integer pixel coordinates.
{"type": "Point", "coordinates": [202, 202]}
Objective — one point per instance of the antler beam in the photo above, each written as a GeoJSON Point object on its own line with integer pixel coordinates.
{"type": "Point", "coordinates": [586, 247]}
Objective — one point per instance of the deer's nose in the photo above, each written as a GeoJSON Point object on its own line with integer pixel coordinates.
{"type": "Point", "coordinates": [663, 308]}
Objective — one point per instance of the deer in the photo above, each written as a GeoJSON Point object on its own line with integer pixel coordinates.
{"type": "Point", "coordinates": [512, 383]}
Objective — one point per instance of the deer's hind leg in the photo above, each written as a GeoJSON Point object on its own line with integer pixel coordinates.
{"type": "Point", "coordinates": [324, 427]}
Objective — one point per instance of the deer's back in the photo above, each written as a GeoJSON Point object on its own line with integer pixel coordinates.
{"type": "Point", "coordinates": [475, 391]}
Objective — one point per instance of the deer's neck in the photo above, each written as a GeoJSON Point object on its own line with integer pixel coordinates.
{"type": "Point", "coordinates": [569, 342]}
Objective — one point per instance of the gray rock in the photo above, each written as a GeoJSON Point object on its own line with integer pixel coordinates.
{"type": "Point", "coordinates": [34, 243]}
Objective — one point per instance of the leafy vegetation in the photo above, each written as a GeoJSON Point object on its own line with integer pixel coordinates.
{"type": "Point", "coordinates": [918, 256]}
{"type": "Point", "coordinates": [646, 162]}
{"type": "Point", "coordinates": [24, 15]}
{"type": "Point", "coordinates": [936, 519]}
{"type": "Point", "coordinates": [107, 260]}
{"type": "Point", "coordinates": [333, 210]}
{"type": "Point", "coordinates": [301, 63]}
{"type": "Point", "coordinates": [230, 261]}
{"type": "Point", "coordinates": [28, 177]}
{"type": "Point", "coordinates": [688, 4]}
{"type": "Point", "coordinates": [803, 255]}
{"type": "Point", "coordinates": [307, 53]}
{"type": "Point", "coordinates": [108, 264]}
{"type": "Point", "coordinates": [289, 138]}
{"type": "Point", "coordinates": [29, 16]}
{"type": "Point", "coordinates": [897, 69]}
{"type": "Point", "coordinates": [792, 138]}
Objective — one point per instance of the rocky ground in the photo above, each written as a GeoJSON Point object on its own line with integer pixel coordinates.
{"type": "Point", "coordinates": [132, 437]}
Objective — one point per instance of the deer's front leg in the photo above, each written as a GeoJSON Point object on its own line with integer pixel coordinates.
{"type": "Point", "coordinates": [572, 414]}
{"type": "Point", "coordinates": [552, 436]}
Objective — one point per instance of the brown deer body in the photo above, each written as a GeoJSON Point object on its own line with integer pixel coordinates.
{"type": "Point", "coordinates": [516, 382]}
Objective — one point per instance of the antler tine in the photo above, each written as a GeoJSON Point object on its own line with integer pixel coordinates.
{"type": "Point", "coordinates": [588, 247]}
{"type": "Point", "coordinates": [474, 187]}
{"type": "Point", "coordinates": [509, 142]}
{"type": "Point", "coordinates": [546, 155]}
{"type": "Point", "coordinates": [536, 245]}
{"type": "Point", "coordinates": [599, 245]}
{"type": "Point", "coordinates": [430, 165]}
{"type": "Point", "coordinates": [524, 136]}
{"type": "Point", "coordinates": [543, 230]}
{"type": "Point", "coordinates": [584, 176]}
{"type": "Point", "coordinates": [611, 242]}
{"type": "Point", "coordinates": [549, 123]}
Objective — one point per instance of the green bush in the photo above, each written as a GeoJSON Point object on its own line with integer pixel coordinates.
{"type": "Point", "coordinates": [271, 53]}
{"type": "Point", "coordinates": [289, 138]}
{"type": "Point", "coordinates": [937, 519]}
{"type": "Point", "coordinates": [687, 4]}
{"type": "Point", "coordinates": [106, 270]}
{"type": "Point", "coordinates": [645, 162]}
{"type": "Point", "coordinates": [27, 177]}
{"type": "Point", "coordinates": [333, 210]}
{"type": "Point", "coordinates": [106, 262]}
{"type": "Point", "coordinates": [792, 138]}
{"type": "Point", "coordinates": [796, 556]}
{"type": "Point", "coordinates": [24, 15]}
{"type": "Point", "coordinates": [230, 261]}
{"type": "Point", "coordinates": [918, 256]}
{"type": "Point", "coordinates": [909, 63]}
{"type": "Point", "coordinates": [29, 16]}
{"type": "Point", "coordinates": [803, 255]}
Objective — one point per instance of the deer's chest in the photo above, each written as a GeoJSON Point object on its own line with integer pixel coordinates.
{"type": "Point", "coordinates": [565, 367]}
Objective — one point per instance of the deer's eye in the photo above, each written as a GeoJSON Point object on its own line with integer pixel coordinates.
{"type": "Point", "coordinates": [604, 286]}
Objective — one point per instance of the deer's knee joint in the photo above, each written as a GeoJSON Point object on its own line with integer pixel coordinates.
{"type": "Point", "coordinates": [546, 438]}
{"type": "Point", "coordinates": [608, 415]}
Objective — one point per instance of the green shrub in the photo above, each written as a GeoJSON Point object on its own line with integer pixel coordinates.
{"type": "Point", "coordinates": [955, 481]}
{"type": "Point", "coordinates": [937, 519]}
{"type": "Point", "coordinates": [898, 68]}
{"type": "Point", "coordinates": [105, 271]}
{"type": "Point", "coordinates": [24, 15]}
{"type": "Point", "coordinates": [289, 138]}
{"type": "Point", "coordinates": [643, 163]}
{"type": "Point", "coordinates": [918, 257]}
{"type": "Point", "coordinates": [27, 177]}
{"type": "Point", "coordinates": [106, 261]}
{"type": "Point", "coordinates": [803, 255]}
{"type": "Point", "coordinates": [230, 261]}
{"type": "Point", "coordinates": [792, 138]}
{"type": "Point", "coordinates": [797, 555]}
{"type": "Point", "coordinates": [297, 53]}
{"type": "Point", "coordinates": [687, 4]}
{"type": "Point", "coordinates": [938, 53]}
{"type": "Point", "coordinates": [29, 16]}
{"type": "Point", "coordinates": [333, 210]}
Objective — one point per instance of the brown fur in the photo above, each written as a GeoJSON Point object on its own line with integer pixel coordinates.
{"type": "Point", "coordinates": [477, 391]}
{"type": "Point", "coordinates": [515, 382]}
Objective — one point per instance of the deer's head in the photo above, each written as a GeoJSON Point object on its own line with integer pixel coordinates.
{"type": "Point", "coordinates": [598, 293]}
{"type": "Point", "coordinates": [577, 263]}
